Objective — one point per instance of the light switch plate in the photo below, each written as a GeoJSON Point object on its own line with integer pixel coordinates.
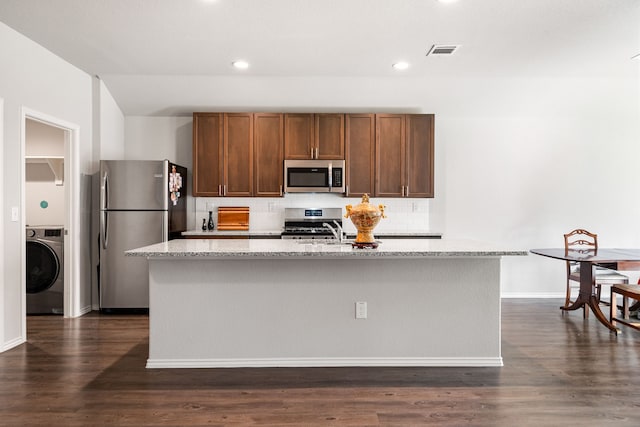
{"type": "Point", "coordinates": [361, 310]}
{"type": "Point", "coordinates": [15, 214]}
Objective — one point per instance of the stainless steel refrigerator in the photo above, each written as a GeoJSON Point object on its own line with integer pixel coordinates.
{"type": "Point", "coordinates": [142, 202]}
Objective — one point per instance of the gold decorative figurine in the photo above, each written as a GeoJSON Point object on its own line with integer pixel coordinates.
{"type": "Point", "coordinates": [365, 217]}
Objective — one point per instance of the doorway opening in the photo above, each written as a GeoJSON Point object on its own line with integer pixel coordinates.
{"type": "Point", "coordinates": [50, 202]}
{"type": "Point", "coordinates": [45, 213]}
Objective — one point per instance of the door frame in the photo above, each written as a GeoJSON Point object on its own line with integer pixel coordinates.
{"type": "Point", "coordinates": [72, 211]}
{"type": "Point", "coordinates": [2, 242]}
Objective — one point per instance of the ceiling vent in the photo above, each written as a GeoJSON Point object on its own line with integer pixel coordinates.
{"type": "Point", "coordinates": [442, 50]}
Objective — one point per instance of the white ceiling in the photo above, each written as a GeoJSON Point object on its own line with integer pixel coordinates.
{"type": "Point", "coordinates": [129, 43]}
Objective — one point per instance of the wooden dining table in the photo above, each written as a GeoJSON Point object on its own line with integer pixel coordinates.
{"type": "Point", "coordinates": [613, 258]}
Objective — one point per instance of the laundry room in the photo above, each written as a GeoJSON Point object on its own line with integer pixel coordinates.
{"type": "Point", "coordinates": [45, 216]}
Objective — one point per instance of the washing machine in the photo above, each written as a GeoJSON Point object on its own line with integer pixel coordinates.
{"type": "Point", "coordinates": [45, 270]}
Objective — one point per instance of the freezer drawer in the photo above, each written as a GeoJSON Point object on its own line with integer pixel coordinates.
{"type": "Point", "coordinates": [124, 281]}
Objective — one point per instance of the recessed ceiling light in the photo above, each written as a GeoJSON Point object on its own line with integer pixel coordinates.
{"type": "Point", "coordinates": [401, 65]}
{"type": "Point", "coordinates": [242, 65]}
{"type": "Point", "coordinates": [447, 1]}
{"type": "Point", "coordinates": [636, 56]}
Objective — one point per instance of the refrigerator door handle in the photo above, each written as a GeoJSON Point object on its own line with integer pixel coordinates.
{"type": "Point", "coordinates": [104, 188]}
{"type": "Point", "coordinates": [104, 229]}
{"type": "Point", "coordinates": [165, 227]}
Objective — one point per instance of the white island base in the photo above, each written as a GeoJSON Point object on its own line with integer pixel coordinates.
{"type": "Point", "coordinates": [295, 311]}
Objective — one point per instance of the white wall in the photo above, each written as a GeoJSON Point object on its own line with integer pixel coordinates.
{"type": "Point", "coordinates": [33, 78]}
{"type": "Point", "coordinates": [518, 161]}
{"type": "Point", "coordinates": [40, 181]}
{"type": "Point", "coordinates": [43, 140]}
{"type": "Point", "coordinates": [44, 200]}
{"type": "Point", "coordinates": [111, 126]}
{"type": "Point", "coordinates": [159, 138]}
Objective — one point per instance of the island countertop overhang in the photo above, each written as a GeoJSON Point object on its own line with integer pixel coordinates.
{"type": "Point", "coordinates": [391, 248]}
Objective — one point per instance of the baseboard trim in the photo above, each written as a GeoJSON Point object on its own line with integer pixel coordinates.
{"type": "Point", "coordinates": [13, 343]}
{"type": "Point", "coordinates": [85, 310]}
{"type": "Point", "coordinates": [532, 295]}
{"type": "Point", "coordinates": [328, 362]}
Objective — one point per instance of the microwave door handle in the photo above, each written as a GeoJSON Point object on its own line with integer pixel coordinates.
{"type": "Point", "coordinates": [330, 177]}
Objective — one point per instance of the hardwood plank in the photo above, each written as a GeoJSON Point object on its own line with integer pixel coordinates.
{"type": "Point", "coordinates": [559, 370]}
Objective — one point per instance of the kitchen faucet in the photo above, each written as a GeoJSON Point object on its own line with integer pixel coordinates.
{"type": "Point", "coordinates": [337, 232]}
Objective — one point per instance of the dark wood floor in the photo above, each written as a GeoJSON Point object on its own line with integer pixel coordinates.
{"type": "Point", "coordinates": [559, 371]}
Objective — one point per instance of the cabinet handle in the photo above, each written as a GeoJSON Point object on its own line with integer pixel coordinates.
{"type": "Point", "coordinates": [281, 191]}
{"type": "Point", "coordinates": [317, 153]}
{"type": "Point", "coordinates": [403, 191]}
{"type": "Point", "coordinates": [219, 190]}
{"type": "Point", "coordinates": [346, 191]}
{"type": "Point", "coordinates": [224, 190]}
{"type": "Point", "coordinates": [406, 191]}
{"type": "Point", "coordinates": [312, 152]}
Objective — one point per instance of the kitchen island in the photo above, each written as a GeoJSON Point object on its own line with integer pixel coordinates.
{"type": "Point", "coordinates": [258, 303]}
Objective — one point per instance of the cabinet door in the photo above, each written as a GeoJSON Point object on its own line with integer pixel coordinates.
{"type": "Point", "coordinates": [360, 154]}
{"type": "Point", "coordinates": [298, 136]}
{"type": "Point", "coordinates": [329, 136]}
{"type": "Point", "coordinates": [269, 154]}
{"type": "Point", "coordinates": [390, 155]}
{"type": "Point", "coordinates": [207, 154]}
{"type": "Point", "coordinates": [238, 153]}
{"type": "Point", "coordinates": [419, 146]}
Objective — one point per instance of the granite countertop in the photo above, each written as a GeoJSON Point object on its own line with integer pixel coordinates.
{"type": "Point", "coordinates": [267, 248]}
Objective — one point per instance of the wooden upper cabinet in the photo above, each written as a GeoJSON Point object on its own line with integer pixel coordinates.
{"type": "Point", "coordinates": [360, 134]}
{"type": "Point", "coordinates": [238, 154]}
{"type": "Point", "coordinates": [268, 154]}
{"type": "Point", "coordinates": [313, 136]}
{"type": "Point", "coordinates": [390, 155]}
{"type": "Point", "coordinates": [241, 154]}
{"type": "Point", "coordinates": [404, 155]}
{"type": "Point", "coordinates": [420, 151]}
{"type": "Point", "coordinates": [207, 154]}
{"type": "Point", "coordinates": [298, 136]}
{"type": "Point", "coordinates": [329, 136]}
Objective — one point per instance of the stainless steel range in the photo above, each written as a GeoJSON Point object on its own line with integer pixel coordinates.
{"type": "Point", "coordinates": [312, 223]}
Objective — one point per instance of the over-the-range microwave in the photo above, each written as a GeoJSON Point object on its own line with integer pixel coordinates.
{"type": "Point", "coordinates": [314, 176]}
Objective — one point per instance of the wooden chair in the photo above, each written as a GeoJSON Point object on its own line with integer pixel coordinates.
{"type": "Point", "coordinates": [583, 240]}
{"type": "Point", "coordinates": [627, 291]}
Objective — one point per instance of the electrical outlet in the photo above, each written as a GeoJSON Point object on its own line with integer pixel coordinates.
{"type": "Point", "coordinates": [361, 310]}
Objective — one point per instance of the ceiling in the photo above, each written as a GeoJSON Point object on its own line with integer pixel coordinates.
{"type": "Point", "coordinates": [129, 43]}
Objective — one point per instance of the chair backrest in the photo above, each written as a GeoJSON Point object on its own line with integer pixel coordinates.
{"type": "Point", "coordinates": [580, 239]}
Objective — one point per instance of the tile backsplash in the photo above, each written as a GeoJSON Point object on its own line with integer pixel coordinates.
{"type": "Point", "coordinates": [267, 214]}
